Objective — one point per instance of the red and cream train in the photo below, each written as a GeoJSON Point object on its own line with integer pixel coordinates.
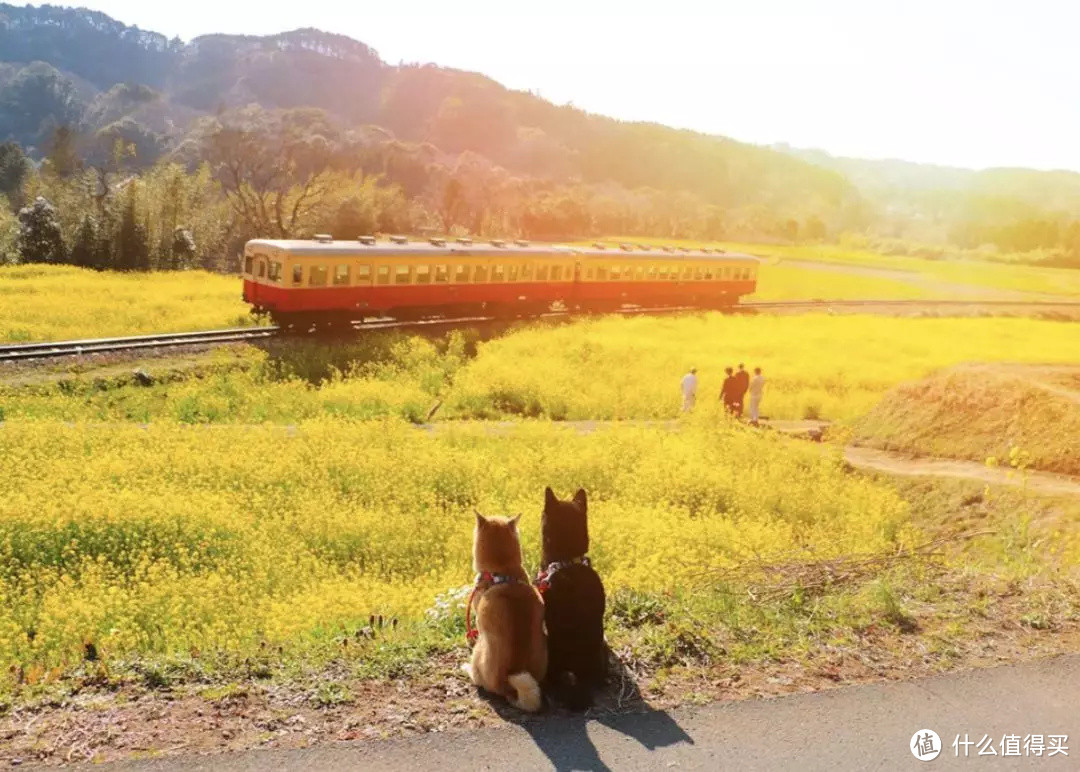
{"type": "Point", "coordinates": [326, 281]}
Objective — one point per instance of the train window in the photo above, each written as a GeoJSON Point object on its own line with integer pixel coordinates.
{"type": "Point", "coordinates": [556, 272]}
{"type": "Point", "coordinates": [317, 276]}
{"type": "Point", "coordinates": [341, 276]}
{"type": "Point", "coordinates": [382, 275]}
{"type": "Point", "coordinates": [423, 274]}
{"type": "Point", "coordinates": [297, 275]}
{"type": "Point", "coordinates": [601, 273]}
{"type": "Point", "coordinates": [498, 273]}
{"type": "Point", "coordinates": [616, 273]}
{"type": "Point", "coordinates": [662, 272]}
{"type": "Point", "coordinates": [363, 274]}
{"type": "Point", "coordinates": [512, 274]}
{"type": "Point", "coordinates": [401, 274]}
{"type": "Point", "coordinates": [249, 263]}
{"type": "Point", "coordinates": [541, 272]}
{"type": "Point", "coordinates": [640, 273]}
{"type": "Point", "coordinates": [262, 268]}
{"type": "Point", "coordinates": [697, 273]}
{"type": "Point", "coordinates": [461, 274]}
{"type": "Point", "coordinates": [628, 273]}
{"type": "Point", "coordinates": [526, 272]}
{"type": "Point", "coordinates": [674, 273]}
{"type": "Point", "coordinates": [273, 273]}
{"type": "Point", "coordinates": [480, 274]}
{"type": "Point", "coordinates": [652, 273]}
{"type": "Point", "coordinates": [688, 273]}
{"type": "Point", "coordinates": [442, 274]}
{"type": "Point", "coordinates": [708, 274]}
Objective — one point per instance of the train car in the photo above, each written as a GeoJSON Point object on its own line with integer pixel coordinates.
{"type": "Point", "coordinates": [325, 281]}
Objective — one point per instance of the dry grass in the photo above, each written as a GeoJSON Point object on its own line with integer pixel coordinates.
{"type": "Point", "coordinates": [1025, 416]}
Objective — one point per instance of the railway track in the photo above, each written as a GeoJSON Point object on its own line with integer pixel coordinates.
{"type": "Point", "coordinates": [25, 351]}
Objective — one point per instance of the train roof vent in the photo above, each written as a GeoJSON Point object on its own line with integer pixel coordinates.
{"type": "Point", "coordinates": [668, 249]}
{"type": "Point", "coordinates": [463, 240]}
{"type": "Point", "coordinates": [521, 242]}
{"type": "Point", "coordinates": [683, 249]}
{"type": "Point", "coordinates": [498, 243]}
{"type": "Point", "coordinates": [323, 238]}
{"type": "Point", "coordinates": [400, 239]}
{"type": "Point", "coordinates": [706, 250]}
{"type": "Point", "coordinates": [598, 245]}
{"type": "Point", "coordinates": [626, 247]}
{"type": "Point", "coordinates": [437, 242]}
{"type": "Point", "coordinates": [367, 241]}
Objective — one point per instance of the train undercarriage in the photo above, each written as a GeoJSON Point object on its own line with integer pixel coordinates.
{"type": "Point", "coordinates": [308, 321]}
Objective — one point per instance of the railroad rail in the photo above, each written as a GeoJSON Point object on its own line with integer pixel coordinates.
{"type": "Point", "coordinates": [25, 351]}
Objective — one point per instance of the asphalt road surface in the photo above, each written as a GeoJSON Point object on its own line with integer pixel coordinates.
{"type": "Point", "coordinates": [853, 728]}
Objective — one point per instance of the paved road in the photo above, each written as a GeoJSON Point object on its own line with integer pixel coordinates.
{"type": "Point", "coordinates": [854, 728]}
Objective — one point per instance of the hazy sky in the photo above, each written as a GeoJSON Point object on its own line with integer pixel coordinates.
{"type": "Point", "coordinates": [963, 82]}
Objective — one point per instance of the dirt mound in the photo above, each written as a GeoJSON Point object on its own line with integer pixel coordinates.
{"type": "Point", "coordinates": [1020, 414]}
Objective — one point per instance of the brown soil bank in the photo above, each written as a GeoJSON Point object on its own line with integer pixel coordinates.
{"type": "Point", "coordinates": [977, 412]}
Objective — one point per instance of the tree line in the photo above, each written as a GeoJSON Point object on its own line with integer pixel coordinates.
{"type": "Point", "coordinates": [294, 173]}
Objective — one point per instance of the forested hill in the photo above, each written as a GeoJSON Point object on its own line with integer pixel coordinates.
{"type": "Point", "coordinates": [84, 69]}
{"type": "Point", "coordinates": [444, 150]}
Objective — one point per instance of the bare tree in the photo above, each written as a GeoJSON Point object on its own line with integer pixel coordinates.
{"type": "Point", "coordinates": [275, 169]}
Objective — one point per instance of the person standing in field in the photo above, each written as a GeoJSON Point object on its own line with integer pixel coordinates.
{"type": "Point", "coordinates": [689, 390]}
{"type": "Point", "coordinates": [742, 383]}
{"type": "Point", "coordinates": [757, 386]}
{"type": "Point", "coordinates": [727, 391]}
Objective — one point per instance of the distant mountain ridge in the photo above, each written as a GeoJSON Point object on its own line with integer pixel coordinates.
{"type": "Point", "coordinates": [90, 53]}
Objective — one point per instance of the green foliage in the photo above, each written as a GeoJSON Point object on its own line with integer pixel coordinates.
{"type": "Point", "coordinates": [14, 166]}
{"type": "Point", "coordinates": [36, 101]}
{"type": "Point", "coordinates": [40, 239]}
{"type": "Point", "coordinates": [132, 245]}
{"type": "Point", "coordinates": [86, 251]}
{"type": "Point", "coordinates": [9, 235]}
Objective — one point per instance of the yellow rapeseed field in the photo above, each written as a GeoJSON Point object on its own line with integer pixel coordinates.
{"type": "Point", "coordinates": [209, 543]}
{"type": "Point", "coordinates": [46, 302]}
{"type": "Point", "coordinates": [816, 366]}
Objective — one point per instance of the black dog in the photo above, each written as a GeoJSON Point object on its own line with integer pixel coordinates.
{"type": "Point", "coordinates": [573, 603]}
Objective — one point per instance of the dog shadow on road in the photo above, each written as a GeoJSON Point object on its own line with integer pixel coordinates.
{"type": "Point", "coordinates": [563, 736]}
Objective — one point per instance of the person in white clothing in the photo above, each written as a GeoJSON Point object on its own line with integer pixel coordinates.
{"type": "Point", "coordinates": [757, 386]}
{"type": "Point", "coordinates": [689, 390]}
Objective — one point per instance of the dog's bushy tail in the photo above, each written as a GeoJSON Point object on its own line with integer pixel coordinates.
{"type": "Point", "coordinates": [528, 692]}
{"type": "Point", "coordinates": [572, 692]}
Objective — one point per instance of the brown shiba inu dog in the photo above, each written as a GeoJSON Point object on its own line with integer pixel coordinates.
{"type": "Point", "coordinates": [510, 657]}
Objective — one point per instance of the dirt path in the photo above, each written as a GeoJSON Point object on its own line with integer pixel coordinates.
{"type": "Point", "coordinates": [898, 464]}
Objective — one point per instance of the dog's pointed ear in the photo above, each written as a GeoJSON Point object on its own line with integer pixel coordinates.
{"type": "Point", "coordinates": [549, 498]}
{"type": "Point", "coordinates": [514, 521]}
{"type": "Point", "coordinates": [581, 499]}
